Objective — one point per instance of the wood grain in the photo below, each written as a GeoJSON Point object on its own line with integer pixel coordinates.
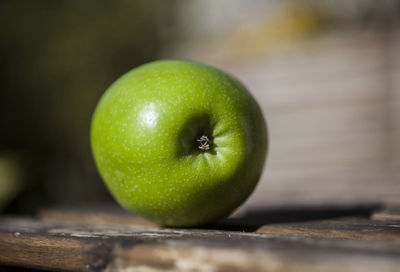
{"type": "Point", "coordinates": [387, 215]}
{"type": "Point", "coordinates": [91, 216]}
{"type": "Point", "coordinates": [353, 229]}
{"type": "Point", "coordinates": [364, 245]}
{"type": "Point", "coordinates": [35, 250]}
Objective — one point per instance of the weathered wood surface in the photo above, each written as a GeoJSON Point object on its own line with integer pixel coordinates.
{"type": "Point", "coordinates": [92, 215]}
{"type": "Point", "coordinates": [336, 239]}
{"type": "Point", "coordinates": [351, 228]}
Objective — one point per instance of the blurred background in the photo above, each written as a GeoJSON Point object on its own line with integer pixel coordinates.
{"type": "Point", "coordinates": [326, 74]}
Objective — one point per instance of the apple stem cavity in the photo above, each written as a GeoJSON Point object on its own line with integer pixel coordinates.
{"type": "Point", "coordinates": [204, 143]}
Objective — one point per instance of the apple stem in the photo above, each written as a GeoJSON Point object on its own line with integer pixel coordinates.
{"type": "Point", "coordinates": [204, 142]}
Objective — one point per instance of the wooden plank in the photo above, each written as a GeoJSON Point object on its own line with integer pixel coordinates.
{"type": "Point", "coordinates": [349, 228]}
{"type": "Point", "coordinates": [388, 215]}
{"type": "Point", "coordinates": [276, 259]}
{"type": "Point", "coordinates": [37, 250]}
{"type": "Point", "coordinates": [31, 243]}
{"type": "Point", "coordinates": [110, 215]}
{"type": "Point", "coordinates": [242, 220]}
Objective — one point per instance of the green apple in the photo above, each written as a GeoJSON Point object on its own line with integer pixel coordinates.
{"type": "Point", "coordinates": [179, 142]}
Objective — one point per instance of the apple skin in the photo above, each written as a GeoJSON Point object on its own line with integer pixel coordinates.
{"type": "Point", "coordinates": [145, 133]}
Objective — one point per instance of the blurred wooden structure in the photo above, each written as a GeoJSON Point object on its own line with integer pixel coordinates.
{"type": "Point", "coordinates": [334, 117]}
{"type": "Point", "coordinates": [361, 238]}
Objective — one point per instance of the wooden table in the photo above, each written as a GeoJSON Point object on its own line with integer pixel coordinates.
{"type": "Point", "coordinates": [105, 238]}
